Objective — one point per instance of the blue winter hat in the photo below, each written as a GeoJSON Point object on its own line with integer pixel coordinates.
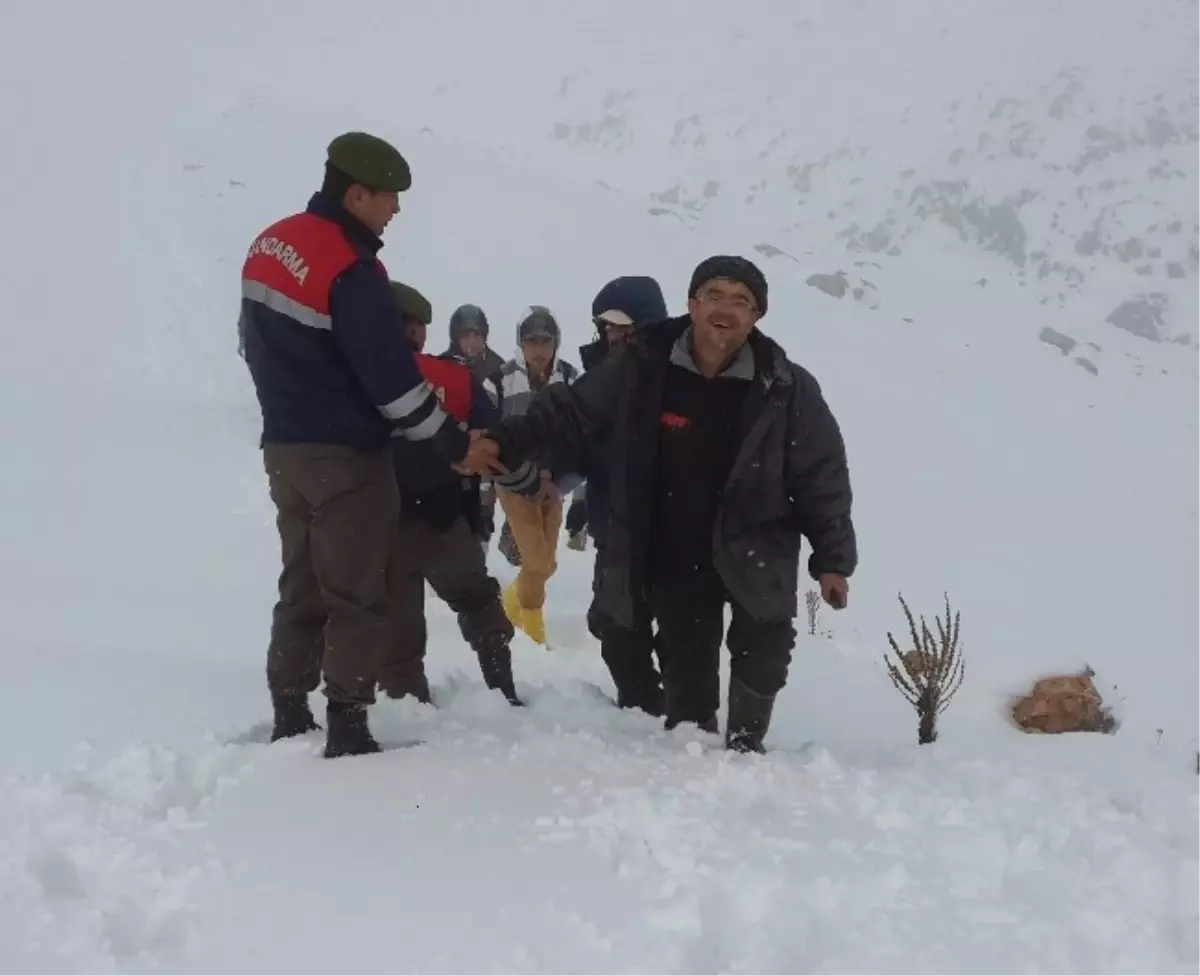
{"type": "Point", "coordinates": [637, 297]}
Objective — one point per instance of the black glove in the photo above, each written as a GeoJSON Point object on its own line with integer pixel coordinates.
{"type": "Point", "coordinates": [576, 520]}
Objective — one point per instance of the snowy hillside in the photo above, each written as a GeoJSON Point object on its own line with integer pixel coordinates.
{"type": "Point", "coordinates": [979, 224]}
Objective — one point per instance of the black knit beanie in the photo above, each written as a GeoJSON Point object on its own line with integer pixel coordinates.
{"type": "Point", "coordinates": [735, 269]}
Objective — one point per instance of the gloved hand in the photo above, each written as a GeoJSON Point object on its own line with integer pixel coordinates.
{"type": "Point", "coordinates": [576, 520]}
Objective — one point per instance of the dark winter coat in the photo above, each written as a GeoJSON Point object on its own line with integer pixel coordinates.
{"type": "Point", "coordinates": [789, 478]}
{"type": "Point", "coordinates": [640, 298]}
{"type": "Point", "coordinates": [484, 367]}
{"type": "Point", "coordinates": [318, 330]}
{"type": "Point", "coordinates": [592, 355]}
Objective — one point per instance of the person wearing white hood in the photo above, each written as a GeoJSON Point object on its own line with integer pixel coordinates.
{"type": "Point", "coordinates": [533, 500]}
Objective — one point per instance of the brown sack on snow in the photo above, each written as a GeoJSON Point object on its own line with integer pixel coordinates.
{"type": "Point", "coordinates": [1063, 703]}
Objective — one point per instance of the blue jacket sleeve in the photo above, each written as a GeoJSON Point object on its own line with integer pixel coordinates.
{"type": "Point", "coordinates": [366, 327]}
{"type": "Point", "coordinates": [484, 412]}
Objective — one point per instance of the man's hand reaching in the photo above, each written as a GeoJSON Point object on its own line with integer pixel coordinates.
{"type": "Point", "coordinates": [482, 457]}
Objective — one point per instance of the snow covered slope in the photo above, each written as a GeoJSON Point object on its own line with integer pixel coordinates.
{"type": "Point", "coordinates": [1008, 445]}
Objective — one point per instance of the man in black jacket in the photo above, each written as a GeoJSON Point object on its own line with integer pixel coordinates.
{"type": "Point", "coordinates": [437, 538]}
{"type": "Point", "coordinates": [723, 455]}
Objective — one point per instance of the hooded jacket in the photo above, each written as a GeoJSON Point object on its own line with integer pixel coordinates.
{"type": "Point", "coordinates": [640, 298]}
{"type": "Point", "coordinates": [517, 394]}
{"type": "Point", "coordinates": [471, 318]}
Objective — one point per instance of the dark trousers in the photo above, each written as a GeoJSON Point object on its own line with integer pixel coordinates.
{"type": "Point", "coordinates": [453, 563]}
{"type": "Point", "coordinates": [690, 609]}
{"type": "Point", "coordinates": [629, 652]}
{"type": "Point", "coordinates": [335, 508]}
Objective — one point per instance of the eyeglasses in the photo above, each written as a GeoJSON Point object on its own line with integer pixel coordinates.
{"type": "Point", "coordinates": [603, 325]}
{"type": "Point", "coordinates": [739, 303]}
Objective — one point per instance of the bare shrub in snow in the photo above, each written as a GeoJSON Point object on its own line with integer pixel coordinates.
{"type": "Point", "coordinates": [930, 672]}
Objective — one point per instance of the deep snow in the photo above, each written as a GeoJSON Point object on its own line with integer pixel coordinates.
{"type": "Point", "coordinates": [145, 827]}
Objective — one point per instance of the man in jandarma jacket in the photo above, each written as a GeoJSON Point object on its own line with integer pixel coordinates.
{"type": "Point", "coordinates": [724, 455]}
{"type": "Point", "coordinates": [334, 378]}
{"type": "Point", "coordinates": [437, 541]}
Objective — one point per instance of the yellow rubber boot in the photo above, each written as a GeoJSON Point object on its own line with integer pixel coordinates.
{"type": "Point", "coordinates": [512, 605]}
{"type": "Point", "coordinates": [534, 624]}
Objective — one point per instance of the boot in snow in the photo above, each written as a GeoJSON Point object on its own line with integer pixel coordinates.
{"type": "Point", "coordinates": [496, 666]}
{"type": "Point", "coordinates": [512, 604]}
{"type": "Point", "coordinates": [649, 699]}
{"type": "Point", "coordinates": [708, 725]}
{"type": "Point", "coordinates": [348, 731]}
{"type": "Point", "coordinates": [292, 716]}
{"type": "Point", "coordinates": [749, 718]}
{"type": "Point", "coordinates": [533, 622]}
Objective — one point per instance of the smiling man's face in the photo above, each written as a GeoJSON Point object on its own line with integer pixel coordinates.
{"type": "Point", "coordinates": [723, 313]}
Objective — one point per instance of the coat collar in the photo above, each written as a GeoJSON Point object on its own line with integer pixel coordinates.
{"type": "Point", "coordinates": [741, 368]}
{"type": "Point", "coordinates": [770, 362]}
{"type": "Point", "coordinates": [358, 232]}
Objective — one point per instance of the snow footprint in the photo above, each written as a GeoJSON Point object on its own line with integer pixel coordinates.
{"type": "Point", "coordinates": [99, 865]}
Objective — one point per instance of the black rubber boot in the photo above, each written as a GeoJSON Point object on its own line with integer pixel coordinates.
{"type": "Point", "coordinates": [648, 699]}
{"type": "Point", "coordinates": [749, 718]}
{"type": "Point", "coordinates": [292, 716]}
{"type": "Point", "coordinates": [496, 666]}
{"type": "Point", "coordinates": [704, 725]}
{"type": "Point", "coordinates": [348, 731]}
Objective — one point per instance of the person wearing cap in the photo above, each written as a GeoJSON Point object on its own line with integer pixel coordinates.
{"type": "Point", "coordinates": [532, 495]}
{"type": "Point", "coordinates": [725, 456]}
{"type": "Point", "coordinates": [437, 537]}
{"type": "Point", "coordinates": [621, 306]}
{"type": "Point", "coordinates": [334, 379]}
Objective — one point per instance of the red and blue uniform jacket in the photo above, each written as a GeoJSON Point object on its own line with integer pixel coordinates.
{"type": "Point", "coordinates": [429, 487]}
{"type": "Point", "coordinates": [319, 328]}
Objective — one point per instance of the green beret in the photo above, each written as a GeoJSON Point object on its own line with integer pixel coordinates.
{"type": "Point", "coordinates": [369, 160]}
{"type": "Point", "coordinates": [412, 303]}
